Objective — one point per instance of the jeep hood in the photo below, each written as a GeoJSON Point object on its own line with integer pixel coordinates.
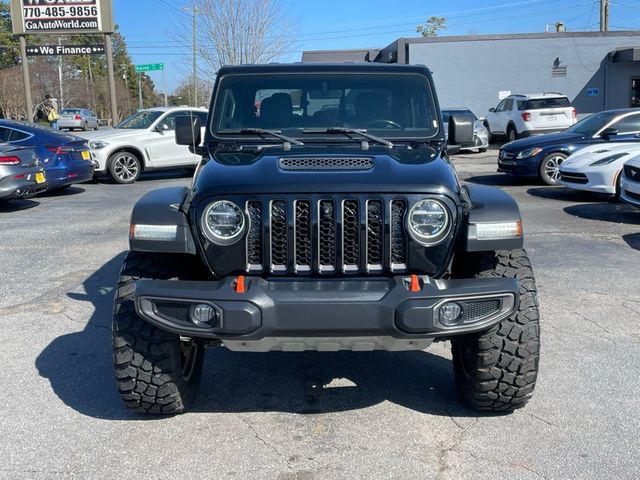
{"type": "Point", "coordinates": [399, 170]}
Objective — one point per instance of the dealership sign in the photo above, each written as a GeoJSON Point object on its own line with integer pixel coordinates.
{"type": "Point", "coordinates": [61, 16]}
{"type": "Point", "coordinates": [65, 50]}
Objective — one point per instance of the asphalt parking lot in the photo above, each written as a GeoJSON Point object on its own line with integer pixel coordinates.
{"type": "Point", "coordinates": [316, 416]}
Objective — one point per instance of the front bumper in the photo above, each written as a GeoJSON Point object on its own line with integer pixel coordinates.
{"type": "Point", "coordinates": [630, 191]}
{"type": "Point", "coordinates": [330, 314]}
{"type": "Point", "coordinates": [597, 181]}
{"type": "Point", "coordinates": [525, 167]}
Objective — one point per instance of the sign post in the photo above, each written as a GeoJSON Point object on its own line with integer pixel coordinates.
{"type": "Point", "coordinates": [149, 67]}
{"type": "Point", "coordinates": [67, 17]}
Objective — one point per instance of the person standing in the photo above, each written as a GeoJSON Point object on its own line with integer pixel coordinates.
{"type": "Point", "coordinates": [50, 107]}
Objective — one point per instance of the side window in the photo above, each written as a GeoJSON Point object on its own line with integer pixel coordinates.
{"type": "Point", "coordinates": [5, 133]}
{"type": "Point", "coordinates": [500, 107]}
{"type": "Point", "coordinates": [628, 124]}
{"type": "Point", "coordinates": [17, 136]}
{"type": "Point", "coordinates": [508, 106]}
{"type": "Point", "coordinates": [520, 104]}
{"type": "Point", "coordinates": [202, 116]}
{"type": "Point", "coordinates": [170, 120]}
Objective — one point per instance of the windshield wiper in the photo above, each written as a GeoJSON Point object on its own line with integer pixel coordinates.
{"type": "Point", "coordinates": [288, 141]}
{"type": "Point", "coordinates": [352, 131]}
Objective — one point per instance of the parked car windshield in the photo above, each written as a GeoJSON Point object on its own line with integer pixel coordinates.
{"type": "Point", "coordinates": [389, 105]}
{"type": "Point", "coordinates": [591, 124]}
{"type": "Point", "coordinates": [140, 120]}
{"type": "Point", "coordinates": [541, 103]}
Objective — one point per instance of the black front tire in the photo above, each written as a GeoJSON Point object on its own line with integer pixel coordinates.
{"type": "Point", "coordinates": [124, 167]}
{"type": "Point", "coordinates": [496, 370]}
{"type": "Point", "coordinates": [155, 371]}
{"type": "Point", "coordinates": [512, 133]}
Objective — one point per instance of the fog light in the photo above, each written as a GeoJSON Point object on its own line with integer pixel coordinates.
{"type": "Point", "coordinates": [450, 313]}
{"type": "Point", "coordinates": [203, 314]}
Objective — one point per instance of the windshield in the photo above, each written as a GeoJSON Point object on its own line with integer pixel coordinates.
{"type": "Point", "coordinates": [67, 110]}
{"type": "Point", "coordinates": [388, 105]}
{"type": "Point", "coordinates": [140, 120]}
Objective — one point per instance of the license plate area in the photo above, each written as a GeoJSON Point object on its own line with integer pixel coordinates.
{"type": "Point", "coordinates": [40, 178]}
{"type": "Point", "coordinates": [86, 155]}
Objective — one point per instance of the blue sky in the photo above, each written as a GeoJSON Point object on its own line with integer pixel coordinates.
{"type": "Point", "coordinates": [342, 24]}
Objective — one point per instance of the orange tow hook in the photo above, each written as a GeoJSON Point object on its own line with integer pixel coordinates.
{"type": "Point", "coordinates": [240, 285]}
{"type": "Point", "coordinates": [415, 284]}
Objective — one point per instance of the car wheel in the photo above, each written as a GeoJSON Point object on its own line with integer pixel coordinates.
{"type": "Point", "coordinates": [124, 167]}
{"type": "Point", "coordinates": [550, 168]}
{"type": "Point", "coordinates": [156, 371]}
{"type": "Point", "coordinates": [85, 127]}
{"type": "Point", "coordinates": [512, 134]}
{"type": "Point", "coordinates": [496, 370]}
{"type": "Point", "coordinates": [482, 150]}
{"type": "Point", "coordinates": [492, 138]}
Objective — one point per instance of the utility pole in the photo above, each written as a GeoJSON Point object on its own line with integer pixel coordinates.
{"type": "Point", "coordinates": [195, 53]}
{"type": "Point", "coordinates": [604, 15]}
{"type": "Point", "coordinates": [140, 91]}
{"type": "Point", "coordinates": [61, 104]}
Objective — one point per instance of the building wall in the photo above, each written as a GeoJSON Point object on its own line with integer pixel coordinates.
{"type": "Point", "coordinates": [471, 73]}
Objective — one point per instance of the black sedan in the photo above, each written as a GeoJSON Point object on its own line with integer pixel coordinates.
{"type": "Point", "coordinates": [541, 156]}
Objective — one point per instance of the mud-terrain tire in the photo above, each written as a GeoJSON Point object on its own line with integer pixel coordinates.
{"type": "Point", "coordinates": [155, 371]}
{"type": "Point", "coordinates": [496, 370]}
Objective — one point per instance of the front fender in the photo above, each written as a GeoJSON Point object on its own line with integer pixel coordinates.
{"type": "Point", "coordinates": [161, 209]}
{"type": "Point", "coordinates": [490, 206]}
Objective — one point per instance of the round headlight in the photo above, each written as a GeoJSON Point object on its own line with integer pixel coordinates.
{"type": "Point", "coordinates": [223, 222]}
{"type": "Point", "coordinates": [428, 222]}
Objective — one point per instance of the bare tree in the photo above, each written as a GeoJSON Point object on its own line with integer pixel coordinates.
{"type": "Point", "coordinates": [236, 32]}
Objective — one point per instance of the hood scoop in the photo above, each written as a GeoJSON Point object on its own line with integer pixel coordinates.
{"type": "Point", "coordinates": [325, 163]}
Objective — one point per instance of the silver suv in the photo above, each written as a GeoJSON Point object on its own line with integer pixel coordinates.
{"type": "Point", "coordinates": [523, 115]}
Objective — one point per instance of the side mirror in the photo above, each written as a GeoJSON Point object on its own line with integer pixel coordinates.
{"type": "Point", "coordinates": [607, 133]}
{"type": "Point", "coordinates": [492, 109]}
{"type": "Point", "coordinates": [163, 127]}
{"type": "Point", "coordinates": [461, 130]}
{"type": "Point", "coordinates": [188, 131]}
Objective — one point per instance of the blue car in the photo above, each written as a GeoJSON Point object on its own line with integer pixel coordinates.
{"type": "Point", "coordinates": [540, 156]}
{"type": "Point", "coordinates": [66, 158]}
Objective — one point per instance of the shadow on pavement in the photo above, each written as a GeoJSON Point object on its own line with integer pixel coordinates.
{"type": "Point", "coordinates": [569, 195]}
{"type": "Point", "coordinates": [633, 240]}
{"type": "Point", "coordinates": [78, 366]}
{"type": "Point", "coordinates": [154, 175]}
{"type": "Point", "coordinates": [9, 206]}
{"type": "Point", "coordinates": [499, 180]}
{"type": "Point", "coordinates": [63, 192]}
{"type": "Point", "coordinates": [606, 212]}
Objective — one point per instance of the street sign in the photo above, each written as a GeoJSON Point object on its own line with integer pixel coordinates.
{"type": "Point", "coordinates": [149, 67]}
{"type": "Point", "coordinates": [65, 50]}
{"type": "Point", "coordinates": [61, 16]}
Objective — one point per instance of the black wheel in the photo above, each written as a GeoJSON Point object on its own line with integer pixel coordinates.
{"type": "Point", "coordinates": [496, 370]}
{"type": "Point", "coordinates": [482, 150]}
{"type": "Point", "coordinates": [550, 168]}
{"type": "Point", "coordinates": [85, 127]}
{"type": "Point", "coordinates": [124, 167]}
{"type": "Point", "coordinates": [512, 133]}
{"type": "Point", "coordinates": [492, 137]}
{"type": "Point", "coordinates": [155, 371]}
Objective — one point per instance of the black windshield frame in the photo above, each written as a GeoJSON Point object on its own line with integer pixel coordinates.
{"type": "Point", "coordinates": [427, 112]}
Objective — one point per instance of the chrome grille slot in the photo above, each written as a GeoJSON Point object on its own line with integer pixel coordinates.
{"type": "Point", "coordinates": [398, 240]}
{"type": "Point", "coordinates": [302, 236]}
{"type": "Point", "coordinates": [326, 236]}
{"type": "Point", "coordinates": [254, 237]}
{"type": "Point", "coordinates": [375, 236]}
{"type": "Point", "coordinates": [326, 163]}
{"type": "Point", "coordinates": [279, 241]}
{"type": "Point", "coordinates": [350, 236]}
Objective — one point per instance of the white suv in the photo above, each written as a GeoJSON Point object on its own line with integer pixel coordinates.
{"type": "Point", "coordinates": [144, 141]}
{"type": "Point", "coordinates": [523, 115]}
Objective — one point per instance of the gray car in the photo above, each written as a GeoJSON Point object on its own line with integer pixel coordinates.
{"type": "Point", "coordinates": [78, 118]}
{"type": "Point", "coordinates": [480, 132]}
{"type": "Point", "coordinates": [21, 174]}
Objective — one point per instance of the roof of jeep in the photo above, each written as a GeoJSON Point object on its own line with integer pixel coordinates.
{"type": "Point", "coordinates": [323, 67]}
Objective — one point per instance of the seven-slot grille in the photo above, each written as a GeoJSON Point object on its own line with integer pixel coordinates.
{"type": "Point", "coordinates": [327, 236]}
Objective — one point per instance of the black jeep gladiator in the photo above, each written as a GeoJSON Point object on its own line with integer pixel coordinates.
{"type": "Point", "coordinates": [325, 215]}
